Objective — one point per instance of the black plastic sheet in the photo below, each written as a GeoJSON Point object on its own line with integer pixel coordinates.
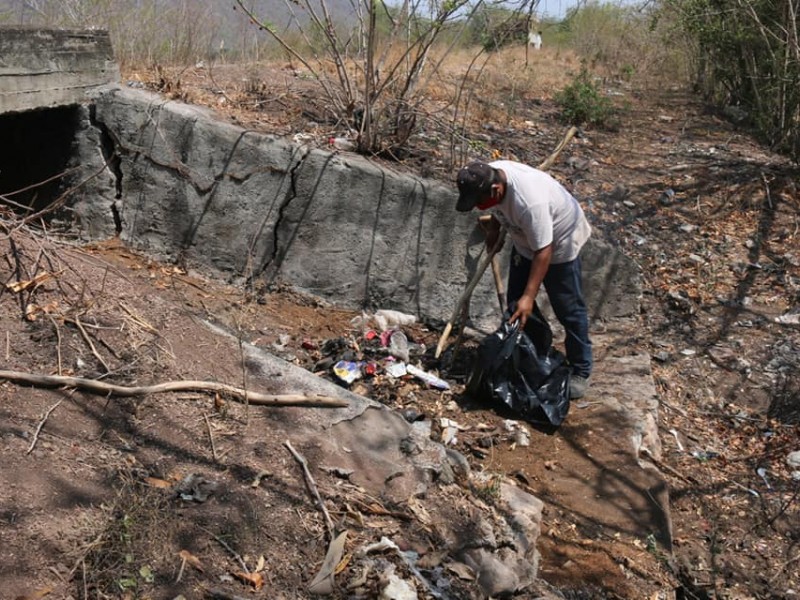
{"type": "Point", "coordinates": [528, 376]}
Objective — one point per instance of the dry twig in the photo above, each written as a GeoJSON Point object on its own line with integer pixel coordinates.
{"type": "Point", "coordinates": [305, 400]}
{"type": "Point", "coordinates": [225, 545]}
{"type": "Point", "coordinates": [58, 342]}
{"type": "Point", "coordinates": [211, 438]}
{"type": "Point", "coordinates": [312, 487]}
{"type": "Point", "coordinates": [86, 337]}
{"type": "Point", "coordinates": [41, 424]}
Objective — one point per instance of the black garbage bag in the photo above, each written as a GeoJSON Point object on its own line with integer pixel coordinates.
{"type": "Point", "coordinates": [530, 378]}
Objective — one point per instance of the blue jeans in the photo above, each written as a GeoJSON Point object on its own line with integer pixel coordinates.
{"type": "Point", "coordinates": [563, 285]}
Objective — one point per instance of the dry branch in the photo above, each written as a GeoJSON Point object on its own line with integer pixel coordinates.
{"type": "Point", "coordinates": [306, 400]}
{"type": "Point", "coordinates": [312, 487]}
{"type": "Point", "coordinates": [41, 424]}
{"type": "Point", "coordinates": [550, 160]}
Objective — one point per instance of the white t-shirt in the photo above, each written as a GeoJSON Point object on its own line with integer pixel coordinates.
{"type": "Point", "coordinates": [538, 211]}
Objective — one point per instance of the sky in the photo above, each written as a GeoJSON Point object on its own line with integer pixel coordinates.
{"type": "Point", "coordinates": [554, 8]}
{"type": "Point", "coordinates": [557, 9]}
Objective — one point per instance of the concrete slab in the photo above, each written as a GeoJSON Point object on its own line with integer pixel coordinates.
{"type": "Point", "coordinates": [595, 472]}
{"type": "Point", "coordinates": [44, 68]}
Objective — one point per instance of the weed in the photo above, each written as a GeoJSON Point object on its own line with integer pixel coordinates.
{"type": "Point", "coordinates": [489, 491]}
{"type": "Point", "coordinates": [582, 103]}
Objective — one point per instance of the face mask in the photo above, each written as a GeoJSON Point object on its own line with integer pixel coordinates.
{"type": "Point", "coordinates": [488, 204]}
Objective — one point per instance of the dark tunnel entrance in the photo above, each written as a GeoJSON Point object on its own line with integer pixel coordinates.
{"type": "Point", "coordinates": [35, 151]}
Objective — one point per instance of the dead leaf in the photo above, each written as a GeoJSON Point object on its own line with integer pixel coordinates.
{"type": "Point", "coordinates": [32, 311]}
{"type": "Point", "coordinates": [461, 570]}
{"type": "Point", "coordinates": [431, 560]}
{"type": "Point", "coordinates": [254, 579]}
{"type": "Point", "coordinates": [322, 584]}
{"type": "Point", "coordinates": [191, 559]}
{"type": "Point", "coordinates": [37, 595]}
{"type": "Point", "coordinates": [343, 564]}
{"type": "Point", "coordinates": [157, 483]}
{"type": "Point", "coordinates": [18, 286]}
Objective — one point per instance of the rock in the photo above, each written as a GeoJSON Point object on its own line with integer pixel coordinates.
{"type": "Point", "coordinates": [793, 459]}
{"type": "Point", "coordinates": [526, 519]}
{"type": "Point", "coordinates": [458, 463]}
{"type": "Point", "coordinates": [495, 577]}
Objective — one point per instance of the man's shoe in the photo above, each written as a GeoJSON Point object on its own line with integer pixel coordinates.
{"type": "Point", "coordinates": [578, 386]}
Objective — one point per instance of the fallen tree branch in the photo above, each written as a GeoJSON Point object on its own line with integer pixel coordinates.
{"type": "Point", "coordinates": [211, 438]}
{"type": "Point", "coordinates": [86, 337]}
{"type": "Point", "coordinates": [306, 400]}
{"type": "Point", "coordinates": [41, 424]}
{"type": "Point", "coordinates": [312, 487]}
{"type": "Point", "coordinates": [550, 160]}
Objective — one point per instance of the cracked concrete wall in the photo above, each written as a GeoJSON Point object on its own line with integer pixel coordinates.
{"type": "Point", "coordinates": [214, 196]}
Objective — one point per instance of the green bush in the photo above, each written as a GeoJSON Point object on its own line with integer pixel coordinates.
{"type": "Point", "coordinates": [582, 103]}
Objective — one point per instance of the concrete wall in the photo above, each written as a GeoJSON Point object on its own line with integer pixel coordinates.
{"type": "Point", "coordinates": [41, 68]}
{"type": "Point", "coordinates": [212, 195]}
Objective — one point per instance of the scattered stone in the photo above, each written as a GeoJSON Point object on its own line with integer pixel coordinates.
{"type": "Point", "coordinates": [793, 459]}
{"type": "Point", "coordinates": [667, 197]}
{"type": "Point", "coordinates": [790, 318]}
{"type": "Point", "coordinates": [697, 259]}
{"type": "Point", "coordinates": [459, 464]}
{"type": "Point", "coordinates": [196, 488]}
{"type": "Point", "coordinates": [412, 415]}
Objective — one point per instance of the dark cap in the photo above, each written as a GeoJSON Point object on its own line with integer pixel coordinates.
{"type": "Point", "coordinates": [474, 185]}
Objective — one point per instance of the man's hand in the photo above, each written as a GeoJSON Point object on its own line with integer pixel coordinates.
{"type": "Point", "coordinates": [527, 302]}
{"type": "Point", "coordinates": [491, 229]}
{"type": "Point", "coordinates": [525, 306]}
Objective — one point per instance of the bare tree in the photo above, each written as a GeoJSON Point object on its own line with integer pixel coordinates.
{"type": "Point", "coordinates": [374, 73]}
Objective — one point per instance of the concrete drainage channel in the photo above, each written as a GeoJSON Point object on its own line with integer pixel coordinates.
{"type": "Point", "coordinates": [174, 181]}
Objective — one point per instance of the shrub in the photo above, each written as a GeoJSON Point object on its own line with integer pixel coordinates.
{"type": "Point", "coordinates": [582, 103]}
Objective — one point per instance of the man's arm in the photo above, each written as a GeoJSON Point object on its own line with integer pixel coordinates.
{"type": "Point", "coordinates": [526, 302]}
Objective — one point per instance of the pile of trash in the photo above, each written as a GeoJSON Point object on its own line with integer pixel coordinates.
{"type": "Point", "coordinates": [383, 349]}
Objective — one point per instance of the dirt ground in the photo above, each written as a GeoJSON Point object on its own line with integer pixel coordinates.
{"type": "Point", "coordinates": [92, 504]}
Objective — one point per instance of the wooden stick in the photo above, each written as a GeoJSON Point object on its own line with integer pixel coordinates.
{"type": "Point", "coordinates": [312, 487]}
{"type": "Point", "coordinates": [307, 400]}
{"type": "Point", "coordinates": [41, 424]}
{"type": "Point", "coordinates": [58, 342]}
{"type": "Point", "coordinates": [498, 278]}
{"type": "Point", "coordinates": [91, 344]}
{"type": "Point", "coordinates": [498, 284]}
{"type": "Point", "coordinates": [550, 160]}
{"type": "Point", "coordinates": [211, 438]}
{"type": "Point", "coordinates": [225, 545]}
{"type": "Point", "coordinates": [465, 295]}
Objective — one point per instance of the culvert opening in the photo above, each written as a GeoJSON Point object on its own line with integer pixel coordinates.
{"type": "Point", "coordinates": [35, 156]}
